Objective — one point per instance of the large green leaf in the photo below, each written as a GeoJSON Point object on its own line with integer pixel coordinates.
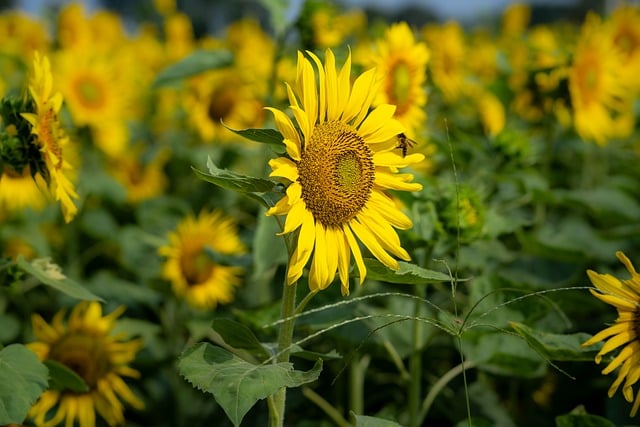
{"type": "Point", "coordinates": [260, 189]}
{"type": "Point", "coordinates": [195, 63]}
{"type": "Point", "coordinates": [565, 347]}
{"type": "Point", "coordinates": [23, 378]}
{"type": "Point", "coordinates": [266, 136]}
{"type": "Point", "coordinates": [50, 274]}
{"type": "Point", "coordinates": [407, 273]}
{"type": "Point", "coordinates": [366, 421]}
{"type": "Point", "coordinates": [63, 378]}
{"type": "Point", "coordinates": [235, 383]}
{"type": "Point", "coordinates": [238, 336]}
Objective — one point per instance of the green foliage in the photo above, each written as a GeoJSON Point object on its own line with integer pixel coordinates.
{"type": "Point", "coordinates": [366, 421]}
{"type": "Point", "coordinates": [62, 378]}
{"type": "Point", "coordinates": [22, 379]}
{"type": "Point", "coordinates": [196, 63]}
{"type": "Point", "coordinates": [563, 347]}
{"type": "Point", "coordinates": [50, 274]}
{"type": "Point", "coordinates": [235, 383]}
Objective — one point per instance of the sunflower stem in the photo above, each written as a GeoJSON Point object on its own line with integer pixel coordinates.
{"type": "Point", "coordinates": [415, 361]}
{"type": "Point", "coordinates": [285, 338]}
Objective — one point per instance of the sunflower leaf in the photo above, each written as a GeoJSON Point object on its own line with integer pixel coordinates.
{"type": "Point", "coordinates": [367, 421]}
{"type": "Point", "coordinates": [238, 336]}
{"type": "Point", "coordinates": [407, 273]}
{"type": "Point", "coordinates": [235, 383]}
{"type": "Point", "coordinates": [263, 190]}
{"type": "Point", "coordinates": [63, 378]}
{"type": "Point", "coordinates": [266, 136]}
{"type": "Point", "coordinates": [23, 378]}
{"type": "Point", "coordinates": [51, 275]}
{"type": "Point", "coordinates": [195, 63]}
{"type": "Point", "coordinates": [565, 347]}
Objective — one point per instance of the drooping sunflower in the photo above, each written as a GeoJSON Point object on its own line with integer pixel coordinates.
{"type": "Point", "coordinates": [192, 265]}
{"type": "Point", "coordinates": [599, 97]}
{"type": "Point", "coordinates": [50, 136]}
{"type": "Point", "coordinates": [402, 63]}
{"type": "Point", "coordinates": [340, 162]}
{"type": "Point", "coordinates": [624, 334]}
{"type": "Point", "coordinates": [86, 345]}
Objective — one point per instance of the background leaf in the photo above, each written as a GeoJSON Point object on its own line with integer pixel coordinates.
{"type": "Point", "coordinates": [407, 273]}
{"type": "Point", "coordinates": [366, 421]}
{"type": "Point", "coordinates": [50, 274]}
{"type": "Point", "coordinates": [195, 63]}
{"type": "Point", "coordinates": [23, 378]}
{"type": "Point", "coordinates": [236, 384]}
{"type": "Point", "coordinates": [63, 378]}
{"type": "Point", "coordinates": [557, 346]}
{"type": "Point", "coordinates": [266, 136]}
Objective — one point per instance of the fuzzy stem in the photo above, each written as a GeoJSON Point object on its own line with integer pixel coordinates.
{"type": "Point", "coordinates": [285, 338]}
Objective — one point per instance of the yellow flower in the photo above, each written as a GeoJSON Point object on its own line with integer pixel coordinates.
{"type": "Point", "coordinates": [20, 190]}
{"type": "Point", "coordinates": [491, 112]}
{"type": "Point", "coordinates": [515, 19]}
{"type": "Point", "coordinates": [50, 136]}
{"type": "Point", "coordinates": [448, 53]}
{"type": "Point", "coordinates": [625, 296]}
{"type": "Point", "coordinates": [598, 95]}
{"type": "Point", "coordinates": [402, 62]}
{"type": "Point", "coordinates": [341, 160]}
{"type": "Point", "coordinates": [221, 96]}
{"type": "Point", "coordinates": [86, 345]}
{"type": "Point", "coordinates": [191, 266]}
{"type": "Point", "coordinates": [626, 38]}
{"type": "Point", "coordinates": [141, 180]}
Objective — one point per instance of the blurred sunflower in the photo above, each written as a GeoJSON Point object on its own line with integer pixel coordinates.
{"type": "Point", "coordinates": [626, 38]}
{"type": "Point", "coordinates": [141, 180]}
{"type": "Point", "coordinates": [402, 62]}
{"type": "Point", "coordinates": [87, 346]}
{"type": "Point", "coordinates": [20, 190]}
{"type": "Point", "coordinates": [192, 264]}
{"type": "Point", "coordinates": [222, 96]}
{"type": "Point", "coordinates": [447, 63]}
{"type": "Point", "coordinates": [599, 97]}
{"type": "Point", "coordinates": [625, 296]}
{"type": "Point", "coordinates": [341, 161]}
{"type": "Point", "coordinates": [50, 136]}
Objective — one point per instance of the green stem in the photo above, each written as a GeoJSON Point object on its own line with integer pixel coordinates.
{"type": "Point", "coordinates": [438, 386]}
{"type": "Point", "coordinates": [415, 362]}
{"type": "Point", "coordinates": [285, 338]}
{"type": "Point", "coordinates": [328, 409]}
{"type": "Point", "coordinates": [357, 368]}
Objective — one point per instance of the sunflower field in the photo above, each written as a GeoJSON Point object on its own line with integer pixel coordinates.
{"type": "Point", "coordinates": [308, 214]}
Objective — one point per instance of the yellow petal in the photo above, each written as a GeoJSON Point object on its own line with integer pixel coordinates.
{"type": "Point", "coordinates": [370, 241]}
{"type": "Point", "coordinates": [284, 168]}
{"type": "Point", "coordinates": [359, 101]}
{"type": "Point", "coordinates": [355, 250]}
{"type": "Point", "coordinates": [396, 181]}
{"type": "Point", "coordinates": [304, 247]}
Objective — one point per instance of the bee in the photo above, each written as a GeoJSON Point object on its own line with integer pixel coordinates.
{"type": "Point", "coordinates": [404, 143]}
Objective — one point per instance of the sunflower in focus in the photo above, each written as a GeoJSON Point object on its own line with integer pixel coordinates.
{"type": "Point", "coordinates": [599, 98]}
{"type": "Point", "coordinates": [402, 62]}
{"type": "Point", "coordinates": [86, 345]}
{"type": "Point", "coordinates": [50, 136]}
{"type": "Point", "coordinates": [340, 162]}
{"type": "Point", "coordinates": [195, 259]}
{"type": "Point", "coordinates": [624, 334]}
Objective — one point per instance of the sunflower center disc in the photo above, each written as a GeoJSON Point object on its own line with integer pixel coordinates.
{"type": "Point", "coordinates": [336, 172]}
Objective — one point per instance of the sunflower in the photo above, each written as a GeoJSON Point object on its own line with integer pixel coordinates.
{"type": "Point", "coordinates": [625, 296]}
{"type": "Point", "coordinates": [626, 38]}
{"type": "Point", "coordinates": [87, 346]}
{"type": "Point", "coordinates": [402, 62]}
{"type": "Point", "coordinates": [20, 190]}
{"type": "Point", "coordinates": [192, 264]}
{"type": "Point", "coordinates": [50, 136]}
{"type": "Point", "coordinates": [448, 53]}
{"type": "Point", "coordinates": [598, 95]}
{"type": "Point", "coordinates": [340, 163]}
{"type": "Point", "coordinates": [142, 180]}
{"type": "Point", "coordinates": [220, 98]}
